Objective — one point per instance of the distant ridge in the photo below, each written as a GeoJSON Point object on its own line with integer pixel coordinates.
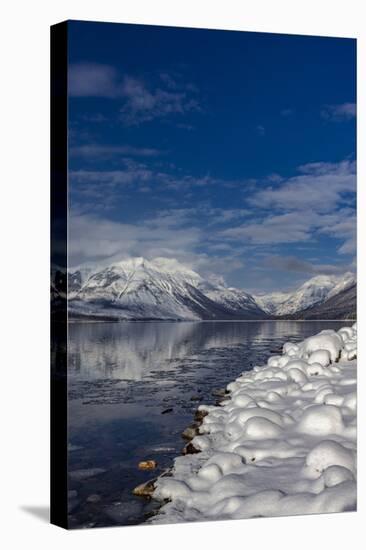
{"type": "Point", "coordinates": [164, 289]}
{"type": "Point", "coordinates": [314, 291]}
{"type": "Point", "coordinates": [340, 306]}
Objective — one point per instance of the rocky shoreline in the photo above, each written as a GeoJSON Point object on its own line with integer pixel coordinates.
{"type": "Point", "coordinates": [281, 441]}
{"type": "Point", "coordinates": [147, 488]}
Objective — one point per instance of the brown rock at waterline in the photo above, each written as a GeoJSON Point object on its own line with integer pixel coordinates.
{"type": "Point", "coordinates": [190, 449]}
{"type": "Point", "coordinates": [145, 489]}
{"type": "Point", "coordinates": [190, 432]}
{"type": "Point", "coordinates": [222, 392]}
{"type": "Point", "coordinates": [147, 465]}
{"type": "Point", "coordinates": [200, 415]}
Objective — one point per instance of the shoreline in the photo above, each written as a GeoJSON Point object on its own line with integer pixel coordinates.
{"type": "Point", "coordinates": [259, 425]}
{"type": "Point", "coordinates": [73, 321]}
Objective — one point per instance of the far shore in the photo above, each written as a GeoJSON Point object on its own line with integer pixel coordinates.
{"type": "Point", "coordinates": [72, 321]}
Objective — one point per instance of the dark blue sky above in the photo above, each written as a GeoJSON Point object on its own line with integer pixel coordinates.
{"type": "Point", "coordinates": [232, 152]}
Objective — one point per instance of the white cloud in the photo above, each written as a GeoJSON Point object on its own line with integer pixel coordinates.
{"type": "Point", "coordinates": [110, 177]}
{"type": "Point", "coordinates": [287, 112]}
{"type": "Point", "coordinates": [102, 183]}
{"type": "Point", "coordinates": [140, 102]}
{"type": "Point", "coordinates": [300, 209]}
{"type": "Point", "coordinates": [93, 80]}
{"type": "Point", "coordinates": [277, 229]}
{"type": "Point", "coordinates": [337, 113]}
{"type": "Point", "coordinates": [96, 239]}
{"type": "Point", "coordinates": [143, 104]}
{"type": "Point", "coordinates": [93, 151]}
{"type": "Point", "coordinates": [343, 227]}
{"type": "Point", "coordinates": [297, 227]}
{"type": "Point", "coordinates": [171, 234]}
{"type": "Point", "coordinates": [320, 187]}
{"type": "Point", "coordinates": [297, 265]}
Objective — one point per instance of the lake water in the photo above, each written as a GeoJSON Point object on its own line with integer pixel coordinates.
{"type": "Point", "coordinates": [133, 387]}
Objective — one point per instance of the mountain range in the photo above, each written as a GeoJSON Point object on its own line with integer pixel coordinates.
{"type": "Point", "coordinates": [344, 303]}
{"type": "Point", "coordinates": [314, 291]}
{"type": "Point", "coordinates": [164, 289]}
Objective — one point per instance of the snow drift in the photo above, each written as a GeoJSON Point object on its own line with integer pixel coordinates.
{"type": "Point", "coordinates": [282, 443]}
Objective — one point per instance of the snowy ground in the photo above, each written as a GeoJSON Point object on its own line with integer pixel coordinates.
{"type": "Point", "coordinates": [282, 443]}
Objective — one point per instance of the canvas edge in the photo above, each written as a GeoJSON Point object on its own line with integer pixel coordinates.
{"type": "Point", "coordinates": [58, 310]}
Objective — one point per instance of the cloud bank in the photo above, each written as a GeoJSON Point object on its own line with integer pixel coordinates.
{"type": "Point", "coordinates": [140, 101]}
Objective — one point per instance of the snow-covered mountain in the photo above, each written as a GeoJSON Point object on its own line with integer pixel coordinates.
{"type": "Point", "coordinates": [165, 289]}
{"type": "Point", "coordinates": [230, 298]}
{"type": "Point", "coordinates": [155, 289]}
{"type": "Point", "coordinates": [342, 305]}
{"type": "Point", "coordinates": [315, 291]}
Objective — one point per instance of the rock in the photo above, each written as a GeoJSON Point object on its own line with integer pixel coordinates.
{"type": "Point", "coordinates": [200, 415]}
{"type": "Point", "coordinates": [93, 498]}
{"type": "Point", "coordinates": [190, 449]}
{"type": "Point", "coordinates": [222, 392]}
{"type": "Point", "coordinates": [147, 465]}
{"type": "Point", "coordinates": [190, 432]}
{"type": "Point", "coordinates": [145, 489]}
{"type": "Point", "coordinates": [166, 411]}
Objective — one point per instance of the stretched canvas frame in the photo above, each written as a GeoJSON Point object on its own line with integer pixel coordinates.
{"type": "Point", "coordinates": [327, 414]}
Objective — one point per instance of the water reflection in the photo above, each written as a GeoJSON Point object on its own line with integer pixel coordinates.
{"type": "Point", "coordinates": [123, 376]}
{"type": "Point", "coordinates": [130, 351]}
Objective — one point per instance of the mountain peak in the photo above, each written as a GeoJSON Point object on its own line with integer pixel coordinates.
{"type": "Point", "coordinates": [130, 263]}
{"type": "Point", "coordinates": [168, 265]}
{"type": "Point", "coordinates": [321, 280]}
{"type": "Point", "coordinates": [314, 291]}
{"type": "Point", "coordinates": [172, 265]}
{"type": "Point", "coordinates": [161, 288]}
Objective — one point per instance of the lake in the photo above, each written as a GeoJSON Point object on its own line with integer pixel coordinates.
{"type": "Point", "coordinates": [133, 387]}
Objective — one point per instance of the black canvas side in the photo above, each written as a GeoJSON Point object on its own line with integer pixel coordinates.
{"type": "Point", "coordinates": [59, 58]}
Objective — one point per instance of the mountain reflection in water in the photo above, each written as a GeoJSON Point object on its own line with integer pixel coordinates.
{"type": "Point", "coordinates": [130, 350]}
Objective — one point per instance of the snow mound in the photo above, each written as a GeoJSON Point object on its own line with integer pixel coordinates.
{"type": "Point", "coordinates": [326, 340]}
{"type": "Point", "coordinates": [329, 453]}
{"type": "Point", "coordinates": [282, 443]}
{"type": "Point", "coordinates": [321, 420]}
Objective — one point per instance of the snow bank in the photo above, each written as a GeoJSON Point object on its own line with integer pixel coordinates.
{"type": "Point", "coordinates": [282, 443]}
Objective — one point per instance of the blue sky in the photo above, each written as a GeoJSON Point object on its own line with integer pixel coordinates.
{"type": "Point", "coordinates": [232, 152]}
